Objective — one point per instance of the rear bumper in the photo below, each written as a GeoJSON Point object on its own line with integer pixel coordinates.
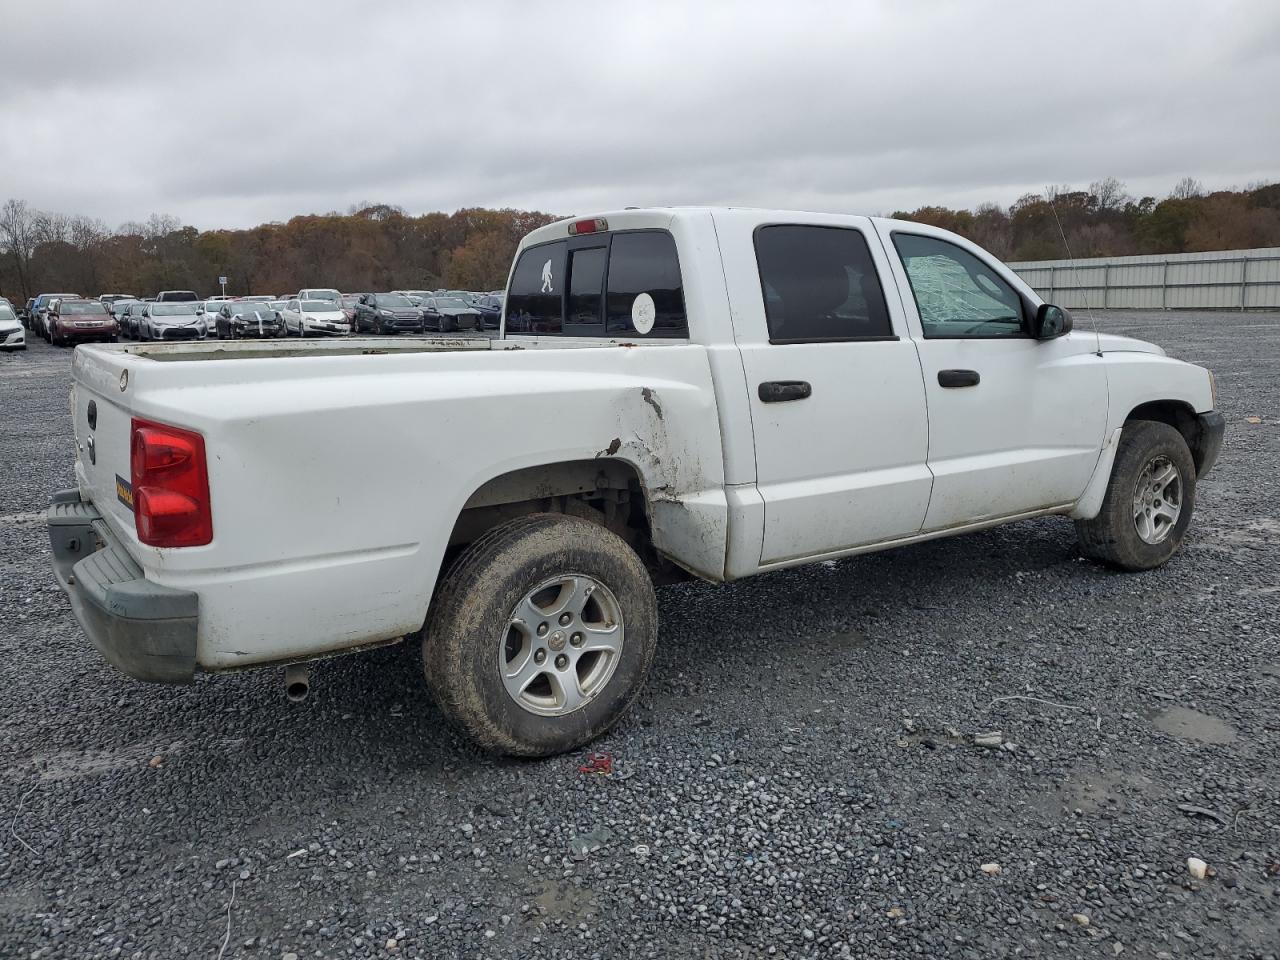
{"type": "Point", "coordinates": [1211, 427]}
{"type": "Point", "coordinates": [143, 629]}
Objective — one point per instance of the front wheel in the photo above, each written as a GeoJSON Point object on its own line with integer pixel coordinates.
{"type": "Point", "coordinates": [1148, 503]}
{"type": "Point", "coordinates": [541, 635]}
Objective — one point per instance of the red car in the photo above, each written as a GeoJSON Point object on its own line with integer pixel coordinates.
{"type": "Point", "coordinates": [71, 321]}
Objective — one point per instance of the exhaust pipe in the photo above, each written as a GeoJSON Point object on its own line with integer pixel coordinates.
{"type": "Point", "coordinates": [297, 682]}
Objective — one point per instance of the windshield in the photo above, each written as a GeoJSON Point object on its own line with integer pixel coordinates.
{"type": "Point", "coordinates": [251, 309]}
{"type": "Point", "coordinates": [74, 309]}
{"type": "Point", "coordinates": [174, 309]}
{"type": "Point", "coordinates": [451, 302]}
{"type": "Point", "coordinates": [320, 305]}
{"type": "Point", "coordinates": [7, 314]}
{"type": "Point", "coordinates": [330, 295]}
{"type": "Point", "coordinates": [393, 300]}
{"type": "Point", "coordinates": [350, 299]}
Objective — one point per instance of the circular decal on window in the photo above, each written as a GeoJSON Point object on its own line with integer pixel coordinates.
{"type": "Point", "coordinates": [643, 313]}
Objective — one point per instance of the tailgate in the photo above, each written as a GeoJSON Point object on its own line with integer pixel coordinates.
{"type": "Point", "coordinates": [102, 417]}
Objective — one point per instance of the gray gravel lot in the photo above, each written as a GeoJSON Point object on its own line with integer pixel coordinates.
{"type": "Point", "coordinates": [799, 779]}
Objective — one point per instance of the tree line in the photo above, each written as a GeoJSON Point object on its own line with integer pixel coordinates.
{"type": "Point", "coordinates": [1105, 221]}
{"type": "Point", "coordinates": [380, 247]}
{"type": "Point", "coordinates": [371, 247]}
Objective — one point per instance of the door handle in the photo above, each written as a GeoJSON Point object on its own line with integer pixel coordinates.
{"type": "Point", "coordinates": [958, 378]}
{"type": "Point", "coordinates": [780, 391]}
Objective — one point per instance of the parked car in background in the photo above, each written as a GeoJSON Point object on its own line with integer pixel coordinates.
{"type": "Point", "coordinates": [308, 318]}
{"type": "Point", "coordinates": [317, 293]}
{"type": "Point", "coordinates": [387, 313]}
{"type": "Point", "coordinates": [209, 310]}
{"type": "Point", "coordinates": [170, 320]}
{"type": "Point", "coordinates": [12, 336]}
{"type": "Point", "coordinates": [348, 303]}
{"type": "Point", "coordinates": [248, 318]}
{"type": "Point", "coordinates": [176, 296]}
{"type": "Point", "coordinates": [70, 321]}
{"type": "Point", "coordinates": [490, 307]}
{"type": "Point", "coordinates": [110, 298]}
{"type": "Point", "coordinates": [25, 313]}
{"type": "Point", "coordinates": [450, 314]}
{"type": "Point", "coordinates": [41, 305]}
{"type": "Point", "coordinates": [118, 307]}
{"type": "Point", "coordinates": [131, 319]}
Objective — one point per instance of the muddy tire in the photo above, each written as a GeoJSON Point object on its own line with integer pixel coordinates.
{"type": "Point", "coordinates": [541, 635]}
{"type": "Point", "coordinates": [1149, 500]}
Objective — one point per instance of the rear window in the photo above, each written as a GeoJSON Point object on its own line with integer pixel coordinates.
{"type": "Point", "coordinates": [536, 301]}
{"type": "Point", "coordinates": [819, 283]}
{"type": "Point", "coordinates": [586, 287]}
{"type": "Point", "coordinates": [646, 295]}
{"type": "Point", "coordinates": [625, 284]}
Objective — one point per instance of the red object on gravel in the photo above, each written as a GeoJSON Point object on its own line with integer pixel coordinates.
{"type": "Point", "coordinates": [601, 763]}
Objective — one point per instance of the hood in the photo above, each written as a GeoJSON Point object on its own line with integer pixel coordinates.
{"type": "Point", "coordinates": [458, 311]}
{"type": "Point", "coordinates": [329, 316]}
{"type": "Point", "coordinates": [184, 320]}
{"type": "Point", "coordinates": [1114, 343]}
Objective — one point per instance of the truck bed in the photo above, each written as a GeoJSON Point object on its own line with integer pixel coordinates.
{"type": "Point", "coordinates": [335, 484]}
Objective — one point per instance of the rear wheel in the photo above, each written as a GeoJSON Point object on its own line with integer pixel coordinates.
{"type": "Point", "coordinates": [1148, 503]}
{"type": "Point", "coordinates": [541, 635]}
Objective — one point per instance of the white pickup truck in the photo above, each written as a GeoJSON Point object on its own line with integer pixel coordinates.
{"type": "Point", "coordinates": [674, 392]}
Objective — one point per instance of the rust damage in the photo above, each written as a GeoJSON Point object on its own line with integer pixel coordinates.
{"type": "Point", "coordinates": [614, 446]}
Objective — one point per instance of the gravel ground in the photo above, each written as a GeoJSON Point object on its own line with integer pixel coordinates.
{"type": "Point", "coordinates": [799, 779]}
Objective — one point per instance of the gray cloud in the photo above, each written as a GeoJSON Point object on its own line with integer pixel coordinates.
{"type": "Point", "coordinates": [234, 113]}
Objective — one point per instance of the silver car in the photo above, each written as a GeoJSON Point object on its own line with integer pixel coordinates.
{"type": "Point", "coordinates": [173, 321]}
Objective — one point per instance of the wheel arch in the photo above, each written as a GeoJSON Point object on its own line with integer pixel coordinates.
{"type": "Point", "coordinates": [1182, 417]}
{"type": "Point", "coordinates": [609, 491]}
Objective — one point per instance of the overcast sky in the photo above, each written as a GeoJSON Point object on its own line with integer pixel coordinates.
{"type": "Point", "coordinates": [233, 113]}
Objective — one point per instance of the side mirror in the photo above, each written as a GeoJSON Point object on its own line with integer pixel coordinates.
{"type": "Point", "coordinates": [1050, 322]}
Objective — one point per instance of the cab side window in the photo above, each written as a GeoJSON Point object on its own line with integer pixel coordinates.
{"type": "Point", "coordinates": [957, 294]}
{"type": "Point", "coordinates": [820, 284]}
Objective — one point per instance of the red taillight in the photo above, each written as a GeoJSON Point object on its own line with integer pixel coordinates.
{"type": "Point", "coordinates": [170, 486]}
{"type": "Point", "coordinates": [594, 225]}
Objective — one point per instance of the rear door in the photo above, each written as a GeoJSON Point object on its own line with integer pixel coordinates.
{"type": "Point", "coordinates": [837, 400]}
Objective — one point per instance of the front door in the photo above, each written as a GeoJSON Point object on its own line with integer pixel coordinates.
{"type": "Point", "coordinates": [837, 402]}
{"type": "Point", "coordinates": [1015, 424]}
